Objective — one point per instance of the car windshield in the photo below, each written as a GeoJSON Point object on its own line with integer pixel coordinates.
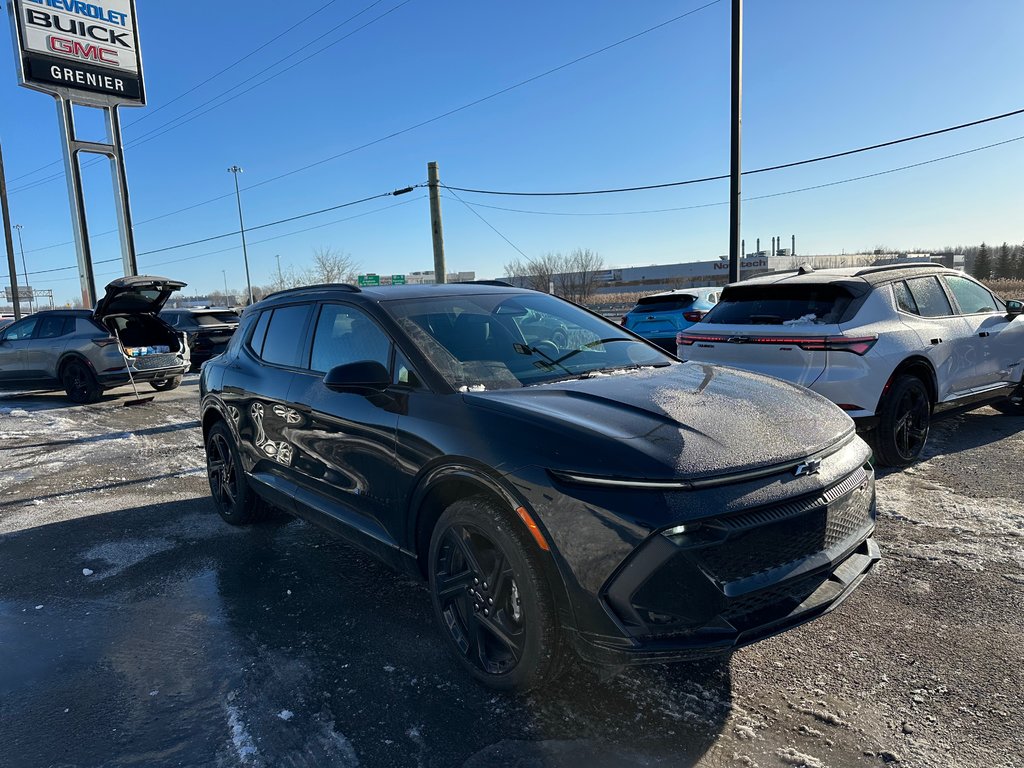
{"type": "Point", "coordinates": [505, 341]}
{"type": "Point", "coordinates": [664, 303]}
{"type": "Point", "coordinates": [774, 304]}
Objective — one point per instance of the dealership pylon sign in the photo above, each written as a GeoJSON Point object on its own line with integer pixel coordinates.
{"type": "Point", "coordinates": [84, 52]}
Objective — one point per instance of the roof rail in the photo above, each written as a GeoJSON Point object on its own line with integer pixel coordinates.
{"type": "Point", "coordinates": [904, 265]}
{"type": "Point", "coordinates": [321, 286]}
{"type": "Point", "coordinates": [499, 283]}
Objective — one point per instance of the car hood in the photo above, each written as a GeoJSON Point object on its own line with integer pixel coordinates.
{"type": "Point", "coordinates": [685, 421]}
{"type": "Point", "coordinates": [139, 294]}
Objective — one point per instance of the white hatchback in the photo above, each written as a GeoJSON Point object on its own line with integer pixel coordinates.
{"type": "Point", "coordinates": [890, 345]}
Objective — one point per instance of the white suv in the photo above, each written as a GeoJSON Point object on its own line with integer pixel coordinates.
{"type": "Point", "coordinates": [890, 345]}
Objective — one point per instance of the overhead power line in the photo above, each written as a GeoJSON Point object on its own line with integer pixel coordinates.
{"type": "Point", "coordinates": [485, 221]}
{"type": "Point", "coordinates": [767, 169]}
{"type": "Point", "coordinates": [278, 222]}
{"type": "Point", "coordinates": [745, 199]}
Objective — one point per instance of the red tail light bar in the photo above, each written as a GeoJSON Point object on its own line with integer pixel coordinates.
{"type": "Point", "coordinates": [695, 316]}
{"type": "Point", "coordinates": [858, 345]}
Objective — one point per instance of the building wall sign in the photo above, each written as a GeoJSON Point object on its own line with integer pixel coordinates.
{"type": "Point", "coordinates": [86, 50]}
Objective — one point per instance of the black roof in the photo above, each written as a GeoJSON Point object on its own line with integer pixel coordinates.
{"type": "Point", "coordinates": [390, 292]}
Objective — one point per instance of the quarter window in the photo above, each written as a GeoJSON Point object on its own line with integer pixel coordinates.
{"type": "Point", "coordinates": [346, 335]}
{"type": "Point", "coordinates": [284, 335]}
{"type": "Point", "coordinates": [260, 333]}
{"type": "Point", "coordinates": [930, 298]}
{"type": "Point", "coordinates": [972, 298]}
{"type": "Point", "coordinates": [904, 300]}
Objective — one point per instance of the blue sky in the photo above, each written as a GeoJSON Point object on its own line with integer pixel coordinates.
{"type": "Point", "coordinates": [819, 77]}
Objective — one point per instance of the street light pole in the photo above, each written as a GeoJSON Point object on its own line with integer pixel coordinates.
{"type": "Point", "coordinates": [234, 170]}
{"type": "Point", "coordinates": [24, 267]}
{"type": "Point", "coordinates": [280, 277]}
{"type": "Point", "coordinates": [224, 272]}
{"type": "Point", "coordinates": [735, 142]}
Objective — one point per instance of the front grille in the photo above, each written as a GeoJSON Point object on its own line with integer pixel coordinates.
{"type": "Point", "coordinates": [782, 598]}
{"type": "Point", "coordinates": [764, 539]}
{"type": "Point", "coordinates": [150, 362]}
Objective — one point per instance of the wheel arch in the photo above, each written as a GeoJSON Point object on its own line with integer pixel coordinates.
{"type": "Point", "coordinates": [918, 366]}
{"type": "Point", "coordinates": [73, 356]}
{"type": "Point", "coordinates": [443, 486]}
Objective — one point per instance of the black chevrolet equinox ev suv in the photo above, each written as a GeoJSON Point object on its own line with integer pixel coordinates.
{"type": "Point", "coordinates": [559, 482]}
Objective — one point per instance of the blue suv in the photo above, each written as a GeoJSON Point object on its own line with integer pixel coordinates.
{"type": "Point", "coordinates": [659, 317]}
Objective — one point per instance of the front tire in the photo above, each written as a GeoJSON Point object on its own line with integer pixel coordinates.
{"type": "Point", "coordinates": [80, 384]}
{"type": "Point", "coordinates": [491, 600]}
{"type": "Point", "coordinates": [234, 498]}
{"type": "Point", "coordinates": [166, 385]}
{"type": "Point", "coordinates": [905, 420]}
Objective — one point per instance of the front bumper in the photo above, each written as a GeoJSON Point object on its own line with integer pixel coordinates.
{"type": "Point", "coordinates": [734, 579]}
{"type": "Point", "coordinates": [722, 637]}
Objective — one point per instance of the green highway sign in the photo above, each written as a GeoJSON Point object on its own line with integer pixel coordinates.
{"type": "Point", "coordinates": [369, 281]}
{"type": "Point", "coordinates": [398, 279]}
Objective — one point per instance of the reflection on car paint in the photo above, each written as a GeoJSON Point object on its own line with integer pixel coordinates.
{"type": "Point", "coordinates": [281, 451]}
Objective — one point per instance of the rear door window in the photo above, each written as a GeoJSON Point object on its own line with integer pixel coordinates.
{"type": "Point", "coordinates": [930, 298]}
{"type": "Point", "coordinates": [821, 303]}
{"type": "Point", "coordinates": [51, 328]}
{"type": "Point", "coordinates": [972, 298]}
{"type": "Point", "coordinates": [283, 343]}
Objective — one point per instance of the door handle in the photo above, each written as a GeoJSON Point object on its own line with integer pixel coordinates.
{"type": "Point", "coordinates": [936, 341]}
{"type": "Point", "coordinates": [983, 334]}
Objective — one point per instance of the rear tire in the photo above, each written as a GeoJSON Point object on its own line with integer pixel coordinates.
{"type": "Point", "coordinates": [166, 385]}
{"type": "Point", "coordinates": [491, 599]}
{"type": "Point", "coordinates": [905, 419]}
{"type": "Point", "coordinates": [233, 497]}
{"type": "Point", "coordinates": [80, 384]}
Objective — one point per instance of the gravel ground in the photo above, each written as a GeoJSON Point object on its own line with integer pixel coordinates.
{"type": "Point", "coordinates": [136, 628]}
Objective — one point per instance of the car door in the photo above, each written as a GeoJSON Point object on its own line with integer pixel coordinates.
{"type": "Point", "coordinates": [45, 348]}
{"type": "Point", "coordinates": [945, 337]}
{"type": "Point", "coordinates": [345, 443]}
{"type": "Point", "coordinates": [255, 390]}
{"type": "Point", "coordinates": [998, 337]}
{"type": "Point", "coordinates": [14, 340]}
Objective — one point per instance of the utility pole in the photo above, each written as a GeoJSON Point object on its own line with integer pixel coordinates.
{"type": "Point", "coordinates": [24, 267]}
{"type": "Point", "coordinates": [224, 272]}
{"type": "Point", "coordinates": [12, 268]}
{"type": "Point", "coordinates": [234, 170]}
{"type": "Point", "coordinates": [280, 277]}
{"type": "Point", "coordinates": [735, 144]}
{"type": "Point", "coordinates": [440, 269]}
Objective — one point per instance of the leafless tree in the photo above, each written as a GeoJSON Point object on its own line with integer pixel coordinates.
{"type": "Point", "coordinates": [332, 266]}
{"type": "Point", "coordinates": [574, 276]}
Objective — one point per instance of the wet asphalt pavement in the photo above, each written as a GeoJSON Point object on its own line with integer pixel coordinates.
{"type": "Point", "coordinates": [138, 629]}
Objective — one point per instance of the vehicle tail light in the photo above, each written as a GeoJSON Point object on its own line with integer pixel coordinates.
{"type": "Point", "coordinates": [695, 316]}
{"type": "Point", "coordinates": [858, 345]}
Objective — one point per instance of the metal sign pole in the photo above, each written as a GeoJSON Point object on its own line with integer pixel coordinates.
{"type": "Point", "coordinates": [11, 266]}
{"type": "Point", "coordinates": [122, 202]}
{"type": "Point", "coordinates": [79, 225]}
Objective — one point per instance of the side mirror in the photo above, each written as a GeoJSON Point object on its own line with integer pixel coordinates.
{"type": "Point", "coordinates": [1014, 307]}
{"type": "Point", "coordinates": [367, 377]}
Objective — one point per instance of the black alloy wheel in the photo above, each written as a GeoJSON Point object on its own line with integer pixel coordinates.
{"type": "Point", "coordinates": [166, 385]}
{"type": "Point", "coordinates": [490, 598]}
{"type": "Point", "coordinates": [79, 383]}
{"type": "Point", "coordinates": [234, 498]}
{"type": "Point", "coordinates": [905, 422]}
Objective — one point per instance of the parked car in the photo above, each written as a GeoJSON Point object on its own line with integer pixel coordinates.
{"type": "Point", "coordinates": [893, 346]}
{"type": "Point", "coordinates": [595, 496]}
{"type": "Point", "coordinates": [208, 329]}
{"type": "Point", "coordinates": [81, 351]}
{"type": "Point", "coordinates": [661, 316]}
